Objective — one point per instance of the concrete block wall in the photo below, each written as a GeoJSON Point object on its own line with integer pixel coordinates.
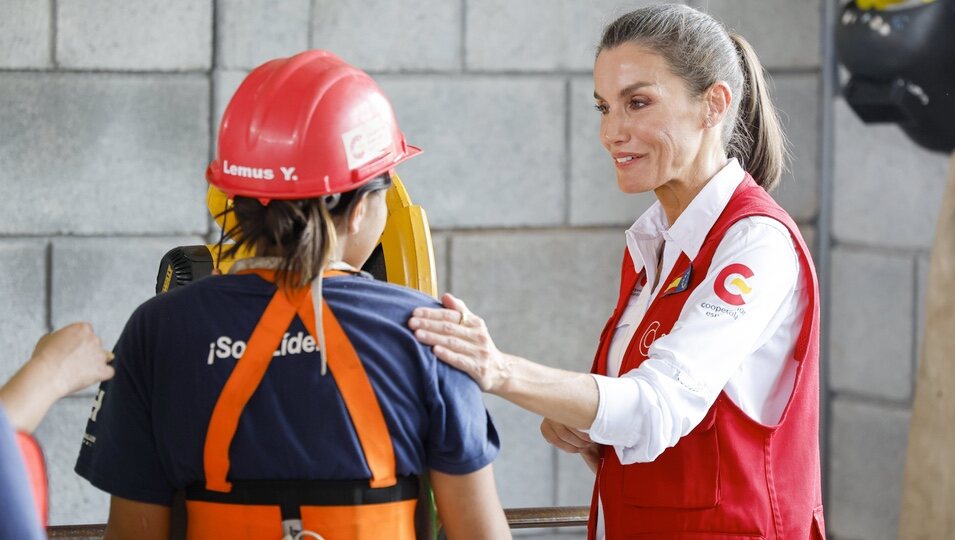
{"type": "Point", "coordinates": [886, 195]}
{"type": "Point", "coordinates": [108, 111]}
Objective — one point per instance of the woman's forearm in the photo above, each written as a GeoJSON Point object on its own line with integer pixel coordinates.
{"type": "Point", "coordinates": [563, 396]}
{"type": "Point", "coordinates": [27, 396]}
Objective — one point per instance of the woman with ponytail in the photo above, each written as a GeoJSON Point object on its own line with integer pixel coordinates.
{"type": "Point", "coordinates": [700, 415]}
{"type": "Point", "coordinates": [288, 399]}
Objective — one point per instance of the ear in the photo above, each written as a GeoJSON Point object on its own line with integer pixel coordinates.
{"type": "Point", "coordinates": [357, 214]}
{"type": "Point", "coordinates": [716, 103]}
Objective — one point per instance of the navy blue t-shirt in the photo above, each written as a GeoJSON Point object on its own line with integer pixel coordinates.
{"type": "Point", "coordinates": [144, 440]}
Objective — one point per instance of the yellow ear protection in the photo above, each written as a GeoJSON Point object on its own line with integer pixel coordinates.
{"type": "Point", "coordinates": [404, 255]}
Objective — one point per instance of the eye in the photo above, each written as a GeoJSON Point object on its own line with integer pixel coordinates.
{"type": "Point", "coordinates": [638, 103]}
{"type": "Point", "coordinates": [601, 108]}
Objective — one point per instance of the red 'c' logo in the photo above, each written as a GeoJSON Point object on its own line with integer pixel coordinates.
{"type": "Point", "coordinates": [741, 273]}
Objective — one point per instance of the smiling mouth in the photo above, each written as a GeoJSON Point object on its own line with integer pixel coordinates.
{"type": "Point", "coordinates": [626, 161]}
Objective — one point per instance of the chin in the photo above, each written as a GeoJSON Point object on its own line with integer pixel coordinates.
{"type": "Point", "coordinates": [631, 185]}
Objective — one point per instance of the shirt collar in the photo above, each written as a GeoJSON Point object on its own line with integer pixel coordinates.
{"type": "Point", "coordinates": [690, 229]}
{"type": "Point", "coordinates": [273, 263]}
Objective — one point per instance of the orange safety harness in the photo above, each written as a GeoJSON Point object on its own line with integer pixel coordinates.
{"type": "Point", "coordinates": [382, 507]}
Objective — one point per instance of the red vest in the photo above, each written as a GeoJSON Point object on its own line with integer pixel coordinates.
{"type": "Point", "coordinates": [730, 477]}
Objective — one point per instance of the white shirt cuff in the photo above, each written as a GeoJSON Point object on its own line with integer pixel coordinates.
{"type": "Point", "coordinates": [615, 396]}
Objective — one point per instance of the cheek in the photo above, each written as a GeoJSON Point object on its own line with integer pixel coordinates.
{"type": "Point", "coordinates": [381, 217]}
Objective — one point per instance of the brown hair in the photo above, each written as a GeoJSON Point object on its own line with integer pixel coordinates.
{"type": "Point", "coordinates": [300, 232]}
{"type": "Point", "coordinates": [699, 50]}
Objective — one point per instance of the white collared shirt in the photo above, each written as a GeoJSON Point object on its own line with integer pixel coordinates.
{"type": "Point", "coordinates": [747, 352]}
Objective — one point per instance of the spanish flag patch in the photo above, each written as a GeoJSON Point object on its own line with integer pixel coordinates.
{"type": "Point", "coordinates": [679, 284]}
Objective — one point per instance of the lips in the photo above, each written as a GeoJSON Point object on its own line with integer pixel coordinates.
{"type": "Point", "coordinates": [626, 159]}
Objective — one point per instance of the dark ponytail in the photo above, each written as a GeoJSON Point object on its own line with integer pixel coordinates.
{"type": "Point", "coordinates": [300, 232]}
{"type": "Point", "coordinates": [758, 139]}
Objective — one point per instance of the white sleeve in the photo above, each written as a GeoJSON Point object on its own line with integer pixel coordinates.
{"type": "Point", "coordinates": [648, 409]}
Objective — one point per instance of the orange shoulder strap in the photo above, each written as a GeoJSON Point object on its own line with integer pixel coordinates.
{"type": "Point", "coordinates": [358, 395]}
{"type": "Point", "coordinates": [242, 383]}
{"type": "Point", "coordinates": [349, 374]}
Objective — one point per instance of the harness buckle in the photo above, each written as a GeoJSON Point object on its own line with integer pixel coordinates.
{"type": "Point", "coordinates": [292, 529]}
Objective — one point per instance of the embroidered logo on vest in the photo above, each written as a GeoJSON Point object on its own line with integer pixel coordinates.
{"type": "Point", "coordinates": [733, 278]}
{"type": "Point", "coordinates": [648, 337]}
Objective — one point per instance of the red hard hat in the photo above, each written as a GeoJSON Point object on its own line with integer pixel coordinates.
{"type": "Point", "coordinates": [303, 127]}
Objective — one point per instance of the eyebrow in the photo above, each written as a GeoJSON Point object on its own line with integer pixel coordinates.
{"type": "Point", "coordinates": [628, 90]}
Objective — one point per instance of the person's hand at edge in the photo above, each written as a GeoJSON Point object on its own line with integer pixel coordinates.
{"type": "Point", "coordinates": [63, 362]}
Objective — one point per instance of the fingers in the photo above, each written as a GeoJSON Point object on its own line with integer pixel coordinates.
{"type": "Point", "coordinates": [439, 315]}
{"type": "Point", "coordinates": [452, 302]}
{"type": "Point", "coordinates": [106, 372]}
{"type": "Point", "coordinates": [444, 328]}
{"type": "Point", "coordinates": [565, 438]}
{"type": "Point", "coordinates": [460, 339]}
{"type": "Point", "coordinates": [592, 458]}
{"type": "Point", "coordinates": [457, 342]}
{"type": "Point", "coordinates": [430, 324]}
{"type": "Point", "coordinates": [456, 312]}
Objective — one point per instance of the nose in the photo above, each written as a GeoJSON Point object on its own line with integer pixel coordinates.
{"type": "Point", "coordinates": [613, 129]}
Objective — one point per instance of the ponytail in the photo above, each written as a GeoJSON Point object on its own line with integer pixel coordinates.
{"type": "Point", "coordinates": [300, 232]}
{"type": "Point", "coordinates": [757, 139]}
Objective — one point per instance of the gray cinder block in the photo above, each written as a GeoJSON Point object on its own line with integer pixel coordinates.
{"type": "Point", "coordinates": [544, 295]}
{"type": "Point", "coordinates": [809, 236]}
{"type": "Point", "coordinates": [922, 275]}
{"type": "Point", "coordinates": [584, 25]}
{"type": "Point", "coordinates": [103, 153]}
{"type": "Point", "coordinates": [493, 148]}
{"type": "Point", "coordinates": [440, 242]}
{"type": "Point", "coordinates": [103, 280]}
{"type": "Point", "coordinates": [538, 35]}
{"type": "Point", "coordinates": [886, 190]}
{"type": "Point", "coordinates": [871, 323]}
{"type": "Point", "coordinates": [575, 481]}
{"type": "Point", "coordinates": [25, 30]}
{"type": "Point", "coordinates": [797, 99]}
{"type": "Point", "coordinates": [866, 468]}
{"type": "Point", "coordinates": [382, 35]}
{"type": "Point", "coordinates": [150, 35]}
{"type": "Point", "coordinates": [23, 266]}
{"type": "Point", "coordinates": [524, 470]}
{"type": "Point", "coordinates": [249, 32]}
{"type": "Point", "coordinates": [784, 34]}
{"type": "Point", "coordinates": [504, 35]}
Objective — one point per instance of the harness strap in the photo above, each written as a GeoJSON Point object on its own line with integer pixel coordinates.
{"type": "Point", "coordinates": [240, 386]}
{"type": "Point", "coordinates": [292, 494]}
{"type": "Point", "coordinates": [347, 371]}
{"type": "Point", "coordinates": [359, 396]}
